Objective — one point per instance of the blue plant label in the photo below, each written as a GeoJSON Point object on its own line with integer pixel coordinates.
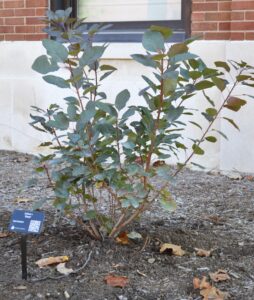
{"type": "Point", "coordinates": [23, 221]}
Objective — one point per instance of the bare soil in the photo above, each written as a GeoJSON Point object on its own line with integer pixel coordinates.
{"type": "Point", "coordinates": [214, 212]}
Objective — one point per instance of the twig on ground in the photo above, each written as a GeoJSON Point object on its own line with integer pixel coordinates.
{"type": "Point", "coordinates": [147, 240]}
{"type": "Point", "coordinates": [63, 276]}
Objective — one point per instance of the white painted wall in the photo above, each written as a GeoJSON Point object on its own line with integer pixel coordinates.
{"type": "Point", "coordinates": [21, 87]}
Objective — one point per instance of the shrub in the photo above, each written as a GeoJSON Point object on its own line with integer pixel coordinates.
{"type": "Point", "coordinates": [103, 162]}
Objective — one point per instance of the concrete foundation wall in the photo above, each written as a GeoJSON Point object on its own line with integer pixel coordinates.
{"type": "Point", "coordinates": [21, 87]}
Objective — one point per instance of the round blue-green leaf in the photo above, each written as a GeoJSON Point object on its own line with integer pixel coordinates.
{"type": "Point", "coordinates": [43, 65]}
{"type": "Point", "coordinates": [153, 41]}
{"type": "Point", "coordinates": [55, 49]}
{"type": "Point", "coordinates": [55, 80]}
{"type": "Point", "coordinates": [144, 60]}
{"type": "Point", "coordinates": [121, 99]}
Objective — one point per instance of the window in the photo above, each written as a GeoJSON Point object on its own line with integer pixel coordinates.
{"type": "Point", "coordinates": [130, 18]}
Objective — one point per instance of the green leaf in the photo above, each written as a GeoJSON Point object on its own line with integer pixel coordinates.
{"type": "Point", "coordinates": [60, 121]}
{"type": "Point", "coordinates": [208, 99]}
{"type": "Point", "coordinates": [195, 74]}
{"type": "Point", "coordinates": [180, 146]}
{"type": "Point", "coordinates": [205, 84]}
{"type": "Point", "coordinates": [240, 78]}
{"type": "Point", "coordinates": [164, 172]}
{"type": "Point", "coordinates": [211, 139]}
{"type": "Point", "coordinates": [208, 117]}
{"type": "Point", "coordinates": [45, 144]}
{"type": "Point", "coordinates": [43, 65]}
{"type": "Point", "coordinates": [55, 80]}
{"type": "Point", "coordinates": [194, 63]}
{"type": "Point", "coordinates": [174, 113]}
{"type": "Point", "coordinates": [144, 60]}
{"type": "Point", "coordinates": [198, 165]}
{"type": "Point", "coordinates": [167, 202]}
{"type": "Point", "coordinates": [129, 145]}
{"type": "Point", "coordinates": [91, 55]}
{"type": "Point", "coordinates": [107, 68]}
{"type": "Point", "coordinates": [87, 115]}
{"type": "Point", "coordinates": [182, 57]}
{"type": "Point", "coordinates": [221, 133]}
{"type": "Point", "coordinates": [220, 83]}
{"type": "Point", "coordinates": [72, 111]}
{"type": "Point", "coordinates": [222, 64]}
{"type": "Point", "coordinates": [177, 49]}
{"type": "Point", "coordinates": [196, 124]}
{"type": "Point", "coordinates": [232, 122]}
{"type": "Point", "coordinates": [91, 214]}
{"type": "Point", "coordinates": [105, 75]}
{"type": "Point", "coordinates": [211, 111]}
{"type": "Point", "coordinates": [169, 86]}
{"type": "Point", "coordinates": [56, 50]}
{"type": "Point", "coordinates": [150, 83]}
{"type": "Point", "coordinates": [121, 99]}
{"type": "Point", "coordinates": [165, 31]}
{"type": "Point", "coordinates": [153, 41]}
{"type": "Point", "coordinates": [106, 107]}
{"type": "Point", "coordinates": [133, 169]}
{"type": "Point", "coordinates": [169, 82]}
{"type": "Point", "coordinates": [130, 112]}
{"type": "Point", "coordinates": [235, 103]}
{"type": "Point", "coordinates": [197, 150]}
{"type": "Point", "coordinates": [130, 201]}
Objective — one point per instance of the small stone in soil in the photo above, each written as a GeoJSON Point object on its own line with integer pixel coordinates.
{"type": "Point", "coordinates": [66, 295]}
{"type": "Point", "coordinates": [151, 260]}
{"type": "Point", "coordinates": [20, 287]}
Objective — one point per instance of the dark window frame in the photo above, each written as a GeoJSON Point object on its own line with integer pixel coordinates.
{"type": "Point", "coordinates": [133, 31]}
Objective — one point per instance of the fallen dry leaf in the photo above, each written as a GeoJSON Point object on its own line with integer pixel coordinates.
{"type": "Point", "coordinates": [123, 238]}
{"type": "Point", "coordinates": [4, 234]}
{"type": "Point", "coordinates": [51, 261]}
{"type": "Point", "coordinates": [116, 281]}
{"type": "Point", "coordinates": [172, 249]}
{"type": "Point", "coordinates": [196, 283]}
{"type": "Point", "coordinates": [201, 283]}
{"type": "Point", "coordinates": [159, 163]}
{"type": "Point", "coordinates": [63, 270]}
{"type": "Point", "coordinates": [202, 253]}
{"type": "Point", "coordinates": [220, 275]}
{"type": "Point", "coordinates": [23, 200]}
{"type": "Point", "coordinates": [213, 293]}
{"type": "Point", "coordinates": [208, 291]}
{"type": "Point", "coordinates": [204, 284]}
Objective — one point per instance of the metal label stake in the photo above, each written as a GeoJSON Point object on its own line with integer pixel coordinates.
{"type": "Point", "coordinates": [26, 222]}
{"type": "Point", "coordinates": [23, 247]}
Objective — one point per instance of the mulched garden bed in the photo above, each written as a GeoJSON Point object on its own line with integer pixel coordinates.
{"type": "Point", "coordinates": [214, 212]}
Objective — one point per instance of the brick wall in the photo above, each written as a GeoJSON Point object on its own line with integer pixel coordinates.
{"type": "Point", "coordinates": [212, 19]}
{"type": "Point", "coordinates": [223, 20]}
{"type": "Point", "coordinates": [20, 19]}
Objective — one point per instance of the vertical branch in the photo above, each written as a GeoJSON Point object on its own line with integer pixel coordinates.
{"type": "Point", "coordinates": [96, 81]}
{"type": "Point", "coordinates": [76, 87]}
{"type": "Point", "coordinates": [156, 125]}
{"type": "Point", "coordinates": [54, 132]}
